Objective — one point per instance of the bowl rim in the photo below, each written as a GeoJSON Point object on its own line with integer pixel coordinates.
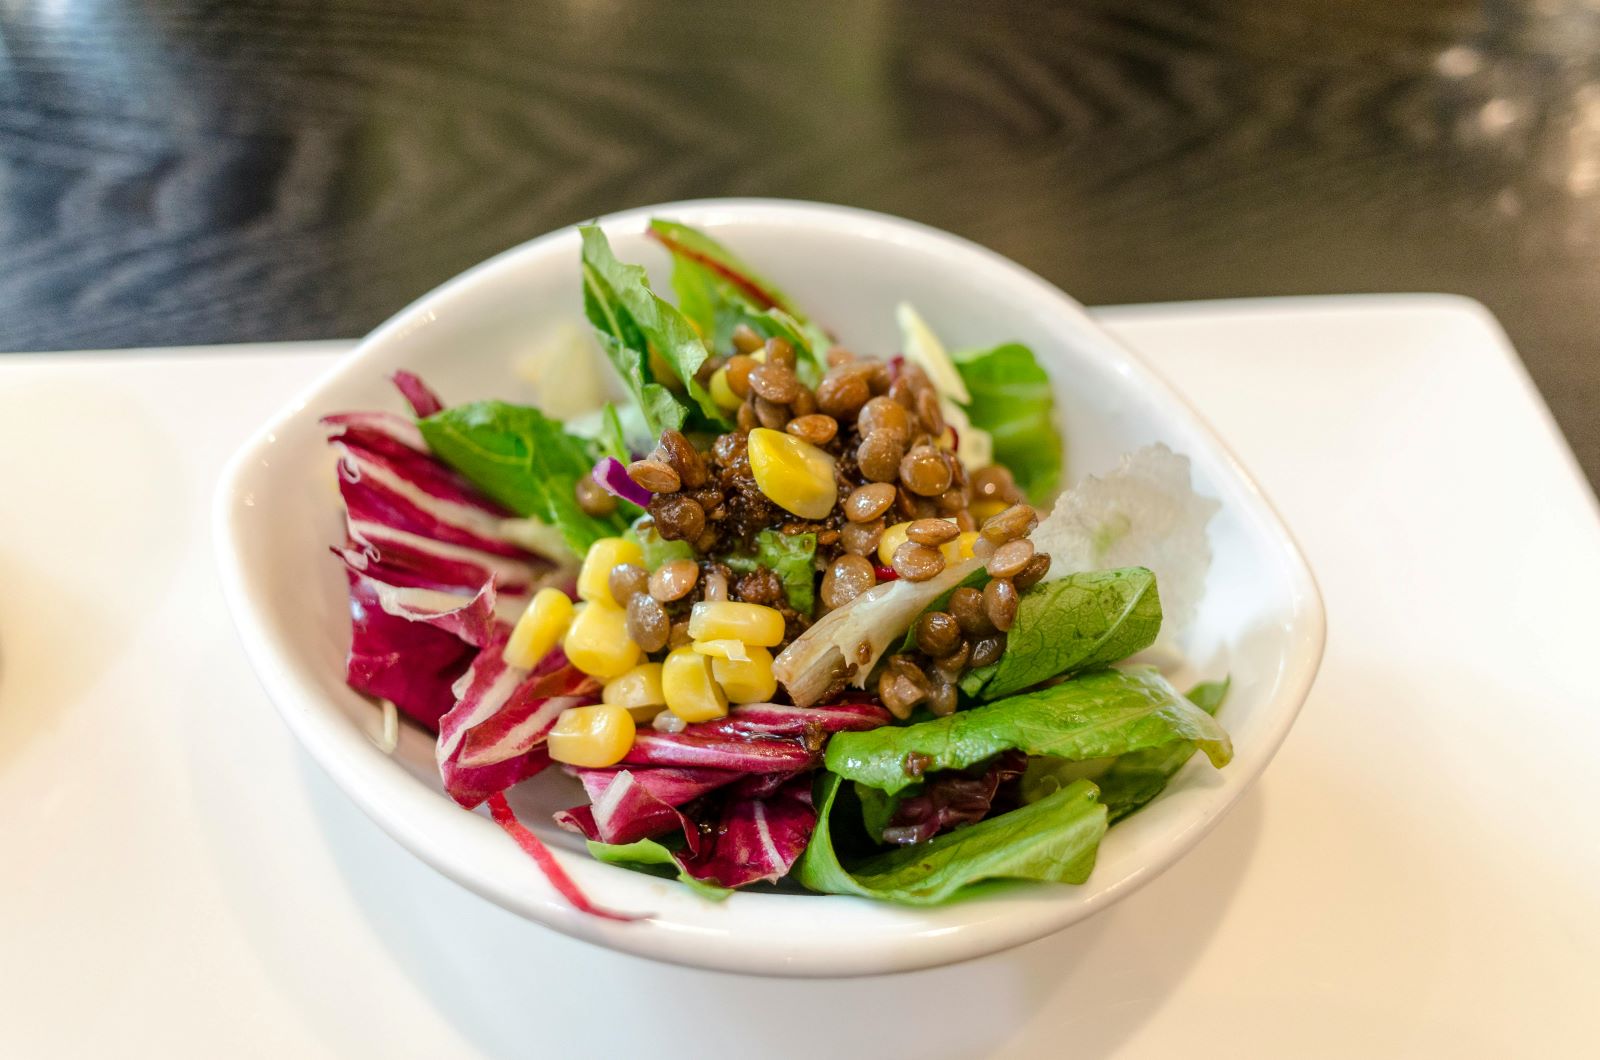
{"type": "Point", "coordinates": [412, 814]}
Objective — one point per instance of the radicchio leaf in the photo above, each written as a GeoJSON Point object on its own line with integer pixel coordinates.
{"type": "Point", "coordinates": [422, 399]}
{"type": "Point", "coordinates": [949, 799]}
{"type": "Point", "coordinates": [756, 838]}
{"type": "Point", "coordinates": [410, 661]}
{"type": "Point", "coordinates": [735, 753]}
{"type": "Point", "coordinates": [494, 736]}
{"type": "Point", "coordinates": [626, 805]}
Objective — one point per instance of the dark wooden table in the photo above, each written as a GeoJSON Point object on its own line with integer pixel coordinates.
{"type": "Point", "coordinates": [200, 173]}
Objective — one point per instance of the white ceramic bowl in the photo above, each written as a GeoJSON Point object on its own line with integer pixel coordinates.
{"type": "Point", "coordinates": [277, 511]}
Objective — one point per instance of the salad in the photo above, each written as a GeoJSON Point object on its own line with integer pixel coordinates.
{"type": "Point", "coordinates": [787, 611]}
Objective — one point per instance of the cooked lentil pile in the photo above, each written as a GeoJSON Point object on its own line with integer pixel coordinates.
{"type": "Point", "coordinates": [867, 464]}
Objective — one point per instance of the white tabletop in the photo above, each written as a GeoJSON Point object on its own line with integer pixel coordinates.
{"type": "Point", "coordinates": [1415, 875]}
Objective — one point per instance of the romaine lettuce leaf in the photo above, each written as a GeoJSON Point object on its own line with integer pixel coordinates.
{"type": "Point", "coordinates": [1013, 402]}
{"type": "Point", "coordinates": [718, 292]}
{"type": "Point", "coordinates": [1095, 715]}
{"type": "Point", "coordinates": [524, 460]}
{"type": "Point", "coordinates": [1054, 839]}
{"type": "Point", "coordinates": [1080, 622]}
{"type": "Point", "coordinates": [642, 333]}
{"type": "Point", "coordinates": [790, 557]}
{"type": "Point", "coordinates": [1134, 779]}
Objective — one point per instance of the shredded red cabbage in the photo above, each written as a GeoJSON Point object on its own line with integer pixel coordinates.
{"type": "Point", "coordinates": [423, 401]}
{"type": "Point", "coordinates": [500, 811]}
{"type": "Point", "coordinates": [611, 476]}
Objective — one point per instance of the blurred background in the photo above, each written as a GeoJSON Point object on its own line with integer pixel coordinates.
{"type": "Point", "coordinates": [179, 173]}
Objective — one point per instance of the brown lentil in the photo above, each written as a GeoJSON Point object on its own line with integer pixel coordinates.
{"type": "Point", "coordinates": [1000, 603]}
{"type": "Point", "coordinates": [938, 633]}
{"type": "Point", "coordinates": [879, 455]}
{"type": "Point", "coordinates": [673, 580]}
{"type": "Point", "coordinates": [932, 531]}
{"type": "Point", "coordinates": [924, 471]}
{"type": "Point", "coordinates": [716, 586]}
{"type": "Point", "coordinates": [913, 507]}
{"type": "Point", "coordinates": [942, 698]}
{"type": "Point", "coordinates": [780, 352]}
{"type": "Point", "coordinates": [868, 502]}
{"type": "Point", "coordinates": [966, 604]}
{"type": "Point", "coordinates": [949, 668]}
{"type": "Point", "coordinates": [739, 369]}
{"type": "Point", "coordinates": [1010, 559]}
{"type": "Point", "coordinates": [678, 518]}
{"type": "Point", "coordinates": [951, 501]}
{"type": "Point", "coordinates": [1016, 521]}
{"type": "Point", "coordinates": [860, 539]}
{"type": "Point", "coordinates": [847, 578]}
{"type": "Point", "coordinates": [746, 340]}
{"type": "Point", "coordinates": [775, 382]}
{"type": "Point", "coordinates": [770, 414]}
{"type": "Point", "coordinates": [903, 392]}
{"type": "Point", "coordinates": [593, 498]}
{"type": "Point", "coordinates": [929, 413]}
{"type": "Point", "coordinates": [760, 586]}
{"type": "Point", "coordinates": [878, 378]}
{"type": "Point", "coordinates": [815, 428]}
{"type": "Point", "coordinates": [883, 414]}
{"type": "Point", "coordinates": [655, 476]}
{"type": "Point", "coordinates": [994, 483]}
{"type": "Point", "coordinates": [804, 403]}
{"type": "Point", "coordinates": [679, 634]}
{"type": "Point", "coordinates": [746, 418]}
{"type": "Point", "coordinates": [988, 650]}
{"type": "Point", "coordinates": [625, 580]}
{"type": "Point", "coordinates": [684, 459]}
{"type": "Point", "coordinates": [1033, 573]}
{"type": "Point", "coordinates": [839, 355]}
{"type": "Point", "coordinates": [965, 522]}
{"type": "Point", "coordinates": [842, 392]}
{"type": "Point", "coordinates": [917, 563]}
{"type": "Point", "coordinates": [648, 625]}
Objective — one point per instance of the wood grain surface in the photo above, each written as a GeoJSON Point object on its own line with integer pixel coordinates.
{"type": "Point", "coordinates": [196, 173]}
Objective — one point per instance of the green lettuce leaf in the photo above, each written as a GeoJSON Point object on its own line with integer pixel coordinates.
{"type": "Point", "coordinates": [1127, 782]}
{"type": "Point", "coordinates": [612, 441]}
{"type": "Point", "coordinates": [1134, 779]}
{"type": "Point", "coordinates": [1095, 715]}
{"type": "Point", "coordinates": [649, 856]}
{"type": "Point", "coordinates": [1012, 400]}
{"type": "Point", "coordinates": [1054, 839]}
{"type": "Point", "coordinates": [657, 549]}
{"type": "Point", "coordinates": [524, 460]}
{"type": "Point", "coordinates": [718, 292]}
{"type": "Point", "coordinates": [790, 555]}
{"type": "Point", "coordinates": [1080, 622]}
{"type": "Point", "coordinates": [642, 333]}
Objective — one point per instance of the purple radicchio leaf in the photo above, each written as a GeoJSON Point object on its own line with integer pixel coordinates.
{"type": "Point", "coordinates": [756, 838]}
{"type": "Point", "coordinates": [951, 798]}
{"type": "Point", "coordinates": [423, 401]}
{"type": "Point", "coordinates": [626, 805]}
{"type": "Point", "coordinates": [493, 738]}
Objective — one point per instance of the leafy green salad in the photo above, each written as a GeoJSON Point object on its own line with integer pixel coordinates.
{"type": "Point", "coordinates": [786, 610]}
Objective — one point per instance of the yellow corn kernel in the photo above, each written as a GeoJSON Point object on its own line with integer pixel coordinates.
{"type": "Point", "coordinates": [892, 539]}
{"type": "Point", "coordinates": [540, 628]}
{"type": "Point", "coordinates": [721, 392]}
{"type": "Point", "coordinates": [746, 682]}
{"type": "Point", "coordinates": [794, 475]}
{"type": "Point", "coordinates": [594, 579]}
{"type": "Point", "coordinates": [598, 643]}
{"type": "Point", "coordinates": [690, 691]}
{"type": "Point", "coordinates": [727, 648]}
{"type": "Point", "coordinates": [592, 737]}
{"type": "Point", "coordinates": [983, 511]}
{"type": "Point", "coordinates": [727, 620]}
{"type": "Point", "coordinates": [959, 548]}
{"type": "Point", "coordinates": [639, 688]}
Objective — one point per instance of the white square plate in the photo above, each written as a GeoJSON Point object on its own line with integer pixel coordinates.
{"type": "Point", "coordinates": [276, 512]}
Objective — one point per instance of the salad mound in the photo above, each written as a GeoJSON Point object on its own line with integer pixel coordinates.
{"type": "Point", "coordinates": [787, 611]}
